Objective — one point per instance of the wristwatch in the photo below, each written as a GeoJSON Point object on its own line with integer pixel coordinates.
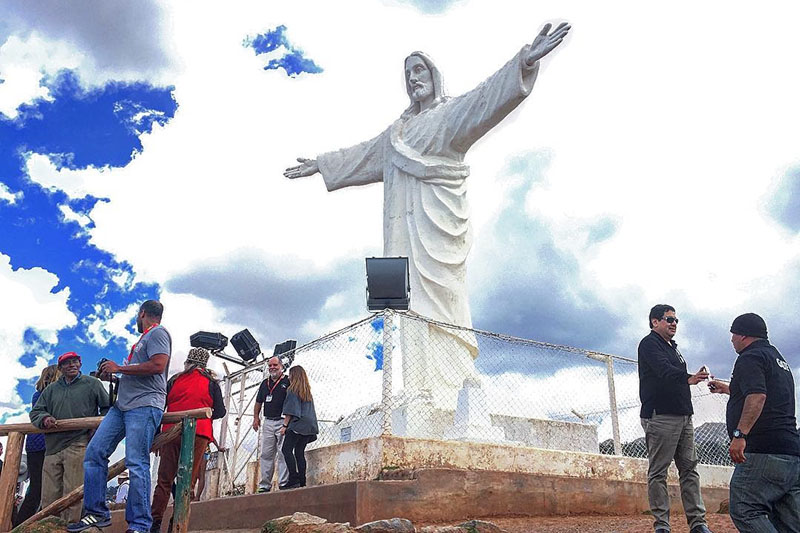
{"type": "Point", "coordinates": [738, 434]}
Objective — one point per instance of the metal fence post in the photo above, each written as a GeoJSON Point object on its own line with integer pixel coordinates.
{"type": "Point", "coordinates": [386, 392]}
{"type": "Point", "coordinates": [239, 421]}
{"type": "Point", "coordinates": [612, 401]}
{"type": "Point", "coordinates": [222, 454]}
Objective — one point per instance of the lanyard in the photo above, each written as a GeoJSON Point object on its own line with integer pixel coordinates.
{"type": "Point", "coordinates": [130, 355]}
{"type": "Point", "coordinates": [274, 386]}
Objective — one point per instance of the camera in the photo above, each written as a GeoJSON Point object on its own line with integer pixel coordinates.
{"type": "Point", "coordinates": [112, 381]}
{"type": "Point", "coordinates": [98, 373]}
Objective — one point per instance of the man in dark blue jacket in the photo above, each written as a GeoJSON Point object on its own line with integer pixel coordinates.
{"type": "Point", "coordinates": [667, 420]}
{"type": "Point", "coordinates": [765, 445]}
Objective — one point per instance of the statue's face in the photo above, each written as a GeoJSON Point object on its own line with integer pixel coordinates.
{"type": "Point", "coordinates": [419, 79]}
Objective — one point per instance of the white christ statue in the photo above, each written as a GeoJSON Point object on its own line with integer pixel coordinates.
{"type": "Point", "coordinates": [420, 160]}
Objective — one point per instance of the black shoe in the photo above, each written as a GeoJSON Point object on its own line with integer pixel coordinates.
{"type": "Point", "coordinates": [290, 485]}
{"type": "Point", "coordinates": [156, 527]}
{"type": "Point", "coordinates": [262, 490]}
{"type": "Point", "coordinates": [702, 528]}
{"type": "Point", "coordinates": [88, 521]}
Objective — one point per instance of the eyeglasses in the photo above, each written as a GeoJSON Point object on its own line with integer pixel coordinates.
{"type": "Point", "coordinates": [671, 319]}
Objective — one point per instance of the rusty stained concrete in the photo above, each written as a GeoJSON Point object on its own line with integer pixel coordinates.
{"type": "Point", "coordinates": [381, 456]}
{"type": "Point", "coordinates": [433, 495]}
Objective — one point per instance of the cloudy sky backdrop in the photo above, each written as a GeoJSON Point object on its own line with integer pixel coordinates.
{"type": "Point", "coordinates": [142, 147]}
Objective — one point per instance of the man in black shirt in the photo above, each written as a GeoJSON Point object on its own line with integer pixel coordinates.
{"type": "Point", "coordinates": [765, 445]}
{"type": "Point", "coordinates": [667, 420]}
{"type": "Point", "coordinates": [271, 395]}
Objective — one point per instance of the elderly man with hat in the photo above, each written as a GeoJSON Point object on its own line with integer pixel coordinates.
{"type": "Point", "coordinates": [194, 388]}
{"type": "Point", "coordinates": [74, 395]}
{"type": "Point", "coordinates": [765, 445]}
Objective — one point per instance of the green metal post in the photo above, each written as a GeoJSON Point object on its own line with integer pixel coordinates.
{"type": "Point", "coordinates": [183, 486]}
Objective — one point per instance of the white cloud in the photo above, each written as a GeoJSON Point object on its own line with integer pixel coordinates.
{"type": "Point", "coordinates": [24, 62]}
{"type": "Point", "coordinates": [7, 196]}
{"type": "Point", "coordinates": [29, 304]}
{"type": "Point", "coordinates": [71, 216]}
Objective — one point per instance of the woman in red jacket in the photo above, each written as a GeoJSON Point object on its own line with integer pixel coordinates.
{"type": "Point", "coordinates": [193, 388]}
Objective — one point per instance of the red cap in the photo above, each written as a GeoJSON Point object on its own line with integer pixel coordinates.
{"type": "Point", "coordinates": [68, 355]}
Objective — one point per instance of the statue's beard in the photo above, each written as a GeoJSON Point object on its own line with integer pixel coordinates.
{"type": "Point", "coordinates": [421, 92]}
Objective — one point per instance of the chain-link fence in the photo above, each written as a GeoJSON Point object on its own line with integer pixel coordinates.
{"type": "Point", "coordinates": [401, 374]}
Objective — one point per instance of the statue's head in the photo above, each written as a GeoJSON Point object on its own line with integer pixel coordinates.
{"type": "Point", "coordinates": [424, 82]}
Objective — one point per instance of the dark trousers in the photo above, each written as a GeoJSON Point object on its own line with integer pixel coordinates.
{"type": "Point", "coordinates": [33, 496]}
{"type": "Point", "coordinates": [765, 494]}
{"type": "Point", "coordinates": [168, 469]}
{"type": "Point", "coordinates": [294, 452]}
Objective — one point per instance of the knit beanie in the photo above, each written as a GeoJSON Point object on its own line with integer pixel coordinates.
{"type": "Point", "coordinates": [750, 325]}
{"type": "Point", "coordinates": [198, 356]}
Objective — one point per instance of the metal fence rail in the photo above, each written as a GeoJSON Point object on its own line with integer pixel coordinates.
{"type": "Point", "coordinates": [402, 374]}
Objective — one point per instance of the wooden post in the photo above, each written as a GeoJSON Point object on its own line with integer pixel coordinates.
{"type": "Point", "coordinates": [183, 485]}
{"type": "Point", "coordinates": [8, 479]}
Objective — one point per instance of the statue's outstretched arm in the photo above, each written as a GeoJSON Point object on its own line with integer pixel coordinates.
{"type": "Point", "coordinates": [545, 42]}
{"type": "Point", "coordinates": [307, 167]}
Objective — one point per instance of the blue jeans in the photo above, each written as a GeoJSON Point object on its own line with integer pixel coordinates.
{"type": "Point", "coordinates": [138, 427]}
{"type": "Point", "coordinates": [765, 494]}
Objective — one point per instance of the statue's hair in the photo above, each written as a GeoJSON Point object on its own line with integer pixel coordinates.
{"type": "Point", "coordinates": [438, 84]}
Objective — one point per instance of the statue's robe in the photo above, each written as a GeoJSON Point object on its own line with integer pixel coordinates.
{"type": "Point", "coordinates": [420, 160]}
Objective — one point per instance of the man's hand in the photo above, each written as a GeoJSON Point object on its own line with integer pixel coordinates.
{"type": "Point", "coordinates": [109, 367]}
{"type": "Point", "coordinates": [307, 167]}
{"type": "Point", "coordinates": [49, 422]}
{"type": "Point", "coordinates": [736, 450]}
{"type": "Point", "coordinates": [256, 423]}
{"type": "Point", "coordinates": [544, 43]}
{"type": "Point", "coordinates": [697, 377]}
{"type": "Point", "coordinates": [283, 430]}
{"type": "Point", "coordinates": [718, 387]}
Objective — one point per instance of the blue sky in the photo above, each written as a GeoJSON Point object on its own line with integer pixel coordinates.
{"type": "Point", "coordinates": [644, 168]}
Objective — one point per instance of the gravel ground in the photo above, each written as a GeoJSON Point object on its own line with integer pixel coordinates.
{"type": "Point", "coordinates": [601, 524]}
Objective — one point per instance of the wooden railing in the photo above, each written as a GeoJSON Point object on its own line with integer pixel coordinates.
{"type": "Point", "coordinates": [185, 426]}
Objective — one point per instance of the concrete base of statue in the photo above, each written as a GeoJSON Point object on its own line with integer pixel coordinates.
{"type": "Point", "coordinates": [415, 414]}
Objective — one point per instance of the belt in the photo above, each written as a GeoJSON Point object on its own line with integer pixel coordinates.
{"type": "Point", "coordinates": [272, 418]}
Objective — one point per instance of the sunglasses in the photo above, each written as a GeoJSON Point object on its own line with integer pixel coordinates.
{"type": "Point", "coordinates": [671, 319]}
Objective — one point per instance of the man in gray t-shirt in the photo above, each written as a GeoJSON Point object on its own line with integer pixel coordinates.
{"type": "Point", "coordinates": [135, 417]}
{"type": "Point", "coordinates": [151, 389]}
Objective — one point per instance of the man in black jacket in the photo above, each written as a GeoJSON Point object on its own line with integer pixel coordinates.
{"type": "Point", "coordinates": [667, 420]}
{"type": "Point", "coordinates": [765, 486]}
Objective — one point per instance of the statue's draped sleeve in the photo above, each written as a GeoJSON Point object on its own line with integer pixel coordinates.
{"type": "Point", "coordinates": [357, 165]}
{"type": "Point", "coordinates": [474, 113]}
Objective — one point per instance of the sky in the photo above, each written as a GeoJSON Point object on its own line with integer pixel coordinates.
{"type": "Point", "coordinates": [142, 145]}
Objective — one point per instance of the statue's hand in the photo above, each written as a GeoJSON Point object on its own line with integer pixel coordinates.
{"type": "Point", "coordinates": [545, 42]}
{"type": "Point", "coordinates": [307, 167]}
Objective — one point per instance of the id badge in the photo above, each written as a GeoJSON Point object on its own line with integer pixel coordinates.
{"type": "Point", "coordinates": [268, 398]}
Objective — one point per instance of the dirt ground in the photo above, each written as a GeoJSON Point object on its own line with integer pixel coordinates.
{"type": "Point", "coordinates": [718, 523]}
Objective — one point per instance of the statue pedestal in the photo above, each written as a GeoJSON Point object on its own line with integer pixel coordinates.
{"type": "Point", "coordinates": [416, 414]}
{"type": "Point", "coordinates": [472, 421]}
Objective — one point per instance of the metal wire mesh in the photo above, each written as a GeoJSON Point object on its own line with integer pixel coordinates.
{"type": "Point", "coordinates": [405, 375]}
{"type": "Point", "coordinates": [344, 370]}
